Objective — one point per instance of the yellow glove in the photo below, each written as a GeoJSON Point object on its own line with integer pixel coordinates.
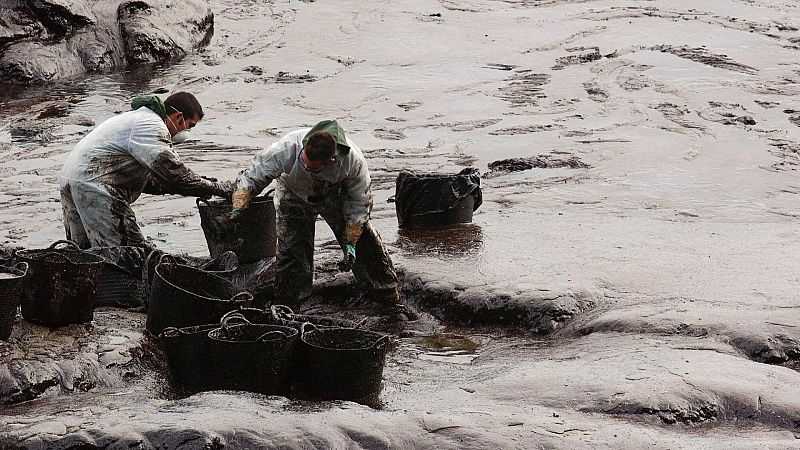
{"type": "Point", "coordinates": [241, 198]}
{"type": "Point", "coordinates": [353, 232]}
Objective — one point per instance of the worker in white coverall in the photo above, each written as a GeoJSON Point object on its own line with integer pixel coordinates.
{"type": "Point", "coordinates": [123, 157]}
{"type": "Point", "coordinates": [319, 171]}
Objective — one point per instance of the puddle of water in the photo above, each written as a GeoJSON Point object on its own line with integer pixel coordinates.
{"type": "Point", "coordinates": [454, 350]}
{"type": "Point", "coordinates": [454, 240]}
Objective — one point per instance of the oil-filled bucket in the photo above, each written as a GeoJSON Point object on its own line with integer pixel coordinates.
{"type": "Point", "coordinates": [423, 200]}
{"type": "Point", "coordinates": [254, 237]}
{"type": "Point", "coordinates": [183, 296]}
{"type": "Point", "coordinates": [188, 359]}
{"type": "Point", "coordinates": [11, 286]}
{"type": "Point", "coordinates": [60, 285]}
{"type": "Point", "coordinates": [341, 363]}
{"type": "Point", "coordinates": [252, 357]}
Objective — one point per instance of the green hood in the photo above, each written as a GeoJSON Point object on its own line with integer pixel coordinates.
{"type": "Point", "coordinates": [332, 127]}
{"type": "Point", "coordinates": [152, 102]}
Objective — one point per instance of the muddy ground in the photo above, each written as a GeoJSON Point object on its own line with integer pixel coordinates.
{"type": "Point", "coordinates": [630, 281]}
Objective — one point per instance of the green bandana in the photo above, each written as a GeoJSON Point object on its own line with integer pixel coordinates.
{"type": "Point", "coordinates": [332, 127]}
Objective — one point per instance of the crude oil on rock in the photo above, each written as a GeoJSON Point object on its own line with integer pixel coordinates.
{"type": "Point", "coordinates": [630, 281]}
{"type": "Point", "coordinates": [53, 39]}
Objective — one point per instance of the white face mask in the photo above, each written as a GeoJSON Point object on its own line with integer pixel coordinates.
{"type": "Point", "coordinates": [180, 136]}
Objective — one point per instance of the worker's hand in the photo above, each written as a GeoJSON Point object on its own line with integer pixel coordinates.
{"type": "Point", "coordinates": [241, 198]}
{"type": "Point", "coordinates": [346, 264]}
{"type": "Point", "coordinates": [224, 189]}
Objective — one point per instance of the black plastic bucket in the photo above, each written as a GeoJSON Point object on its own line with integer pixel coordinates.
{"type": "Point", "coordinates": [255, 235]}
{"type": "Point", "coordinates": [342, 363]}
{"type": "Point", "coordinates": [253, 357]}
{"type": "Point", "coordinates": [187, 352]}
{"type": "Point", "coordinates": [60, 285]}
{"type": "Point", "coordinates": [225, 266]}
{"type": "Point", "coordinates": [118, 288]}
{"type": "Point", "coordinates": [424, 200]}
{"type": "Point", "coordinates": [120, 283]}
{"type": "Point", "coordinates": [182, 296]}
{"type": "Point", "coordinates": [11, 286]}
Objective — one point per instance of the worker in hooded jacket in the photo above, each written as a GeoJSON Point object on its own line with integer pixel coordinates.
{"type": "Point", "coordinates": [123, 157]}
{"type": "Point", "coordinates": [319, 171]}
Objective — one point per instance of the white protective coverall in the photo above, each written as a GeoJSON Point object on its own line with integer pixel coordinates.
{"type": "Point", "coordinates": [340, 193]}
{"type": "Point", "coordinates": [109, 168]}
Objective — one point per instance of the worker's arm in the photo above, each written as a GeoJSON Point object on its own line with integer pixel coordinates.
{"type": "Point", "coordinates": [150, 144]}
{"type": "Point", "coordinates": [266, 166]}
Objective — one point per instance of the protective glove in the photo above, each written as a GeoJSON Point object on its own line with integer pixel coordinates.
{"type": "Point", "coordinates": [352, 232]}
{"type": "Point", "coordinates": [346, 264]}
{"type": "Point", "coordinates": [220, 189]}
{"type": "Point", "coordinates": [224, 189]}
{"type": "Point", "coordinates": [241, 198]}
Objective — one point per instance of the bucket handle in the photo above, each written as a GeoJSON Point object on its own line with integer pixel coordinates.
{"type": "Point", "coordinates": [285, 310]}
{"type": "Point", "coordinates": [66, 242]}
{"type": "Point", "coordinates": [264, 336]}
{"type": "Point", "coordinates": [383, 340]}
{"type": "Point", "coordinates": [166, 258]}
{"type": "Point", "coordinates": [303, 327]}
{"type": "Point", "coordinates": [22, 267]}
{"type": "Point", "coordinates": [169, 332]}
{"type": "Point", "coordinates": [242, 297]}
{"type": "Point", "coordinates": [231, 313]}
{"type": "Point", "coordinates": [235, 317]}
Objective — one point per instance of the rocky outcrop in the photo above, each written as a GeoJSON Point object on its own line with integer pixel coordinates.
{"type": "Point", "coordinates": [43, 40]}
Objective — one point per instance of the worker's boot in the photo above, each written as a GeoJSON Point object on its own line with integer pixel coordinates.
{"type": "Point", "coordinates": [401, 312]}
{"type": "Point", "coordinates": [393, 308]}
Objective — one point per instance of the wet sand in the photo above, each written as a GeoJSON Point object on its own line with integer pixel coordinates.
{"type": "Point", "coordinates": [653, 286]}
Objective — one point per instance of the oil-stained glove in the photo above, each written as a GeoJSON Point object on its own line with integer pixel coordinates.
{"type": "Point", "coordinates": [353, 231]}
{"type": "Point", "coordinates": [346, 264]}
{"type": "Point", "coordinates": [224, 189]}
{"type": "Point", "coordinates": [207, 189]}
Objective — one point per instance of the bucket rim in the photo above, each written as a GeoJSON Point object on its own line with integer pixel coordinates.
{"type": "Point", "coordinates": [380, 342]}
{"type": "Point", "coordinates": [224, 203]}
{"type": "Point", "coordinates": [241, 297]}
{"type": "Point", "coordinates": [287, 332]}
{"type": "Point", "coordinates": [35, 254]}
{"type": "Point", "coordinates": [173, 332]}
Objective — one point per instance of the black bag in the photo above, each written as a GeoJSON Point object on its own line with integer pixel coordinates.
{"type": "Point", "coordinates": [434, 199]}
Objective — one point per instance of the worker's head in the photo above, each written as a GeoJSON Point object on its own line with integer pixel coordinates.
{"type": "Point", "coordinates": [183, 113]}
{"type": "Point", "coordinates": [319, 151]}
